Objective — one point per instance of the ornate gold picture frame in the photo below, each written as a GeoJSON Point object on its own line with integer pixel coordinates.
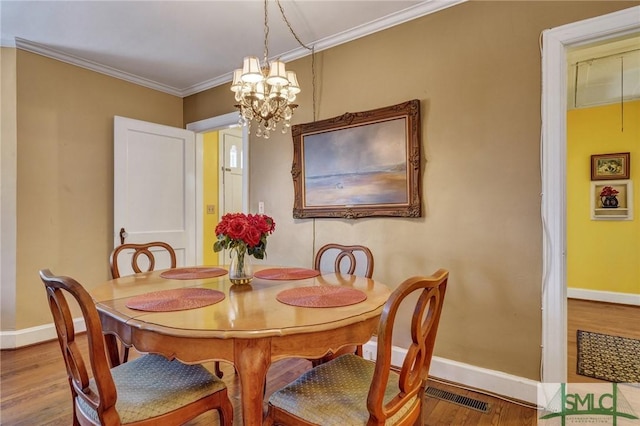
{"type": "Point", "coordinates": [359, 164]}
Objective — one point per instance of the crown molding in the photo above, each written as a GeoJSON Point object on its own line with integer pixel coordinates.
{"type": "Point", "coordinates": [40, 49]}
{"type": "Point", "coordinates": [417, 11]}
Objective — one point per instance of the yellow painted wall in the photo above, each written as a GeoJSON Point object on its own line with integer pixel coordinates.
{"type": "Point", "coordinates": [210, 196]}
{"type": "Point", "coordinates": [602, 255]}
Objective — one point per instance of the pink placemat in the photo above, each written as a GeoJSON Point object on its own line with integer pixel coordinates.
{"type": "Point", "coordinates": [286, 273]}
{"type": "Point", "coordinates": [175, 300]}
{"type": "Point", "coordinates": [321, 296]}
{"type": "Point", "coordinates": [193, 273]}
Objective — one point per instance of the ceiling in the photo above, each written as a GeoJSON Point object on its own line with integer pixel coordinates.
{"type": "Point", "coordinates": [184, 47]}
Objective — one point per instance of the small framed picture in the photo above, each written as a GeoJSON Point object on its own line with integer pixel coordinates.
{"type": "Point", "coordinates": [610, 166]}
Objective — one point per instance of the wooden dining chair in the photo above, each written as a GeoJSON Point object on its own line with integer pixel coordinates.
{"type": "Point", "coordinates": [140, 254]}
{"type": "Point", "coordinates": [147, 390]}
{"type": "Point", "coordinates": [350, 390]}
{"type": "Point", "coordinates": [352, 260]}
{"type": "Point", "coordinates": [143, 259]}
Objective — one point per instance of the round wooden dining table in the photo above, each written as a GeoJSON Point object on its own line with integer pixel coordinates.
{"type": "Point", "coordinates": [196, 314]}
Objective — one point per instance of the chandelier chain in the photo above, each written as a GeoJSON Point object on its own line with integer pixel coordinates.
{"type": "Point", "coordinates": [313, 56]}
{"type": "Point", "coordinates": [286, 21]}
{"type": "Point", "coordinates": [266, 33]}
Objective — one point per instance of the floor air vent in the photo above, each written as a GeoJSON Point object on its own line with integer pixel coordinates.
{"type": "Point", "coordinates": [464, 401]}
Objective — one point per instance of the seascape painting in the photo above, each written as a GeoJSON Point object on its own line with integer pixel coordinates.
{"type": "Point", "coordinates": [357, 166]}
{"type": "Point", "coordinates": [360, 164]}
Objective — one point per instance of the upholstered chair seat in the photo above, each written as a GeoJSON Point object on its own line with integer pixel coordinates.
{"type": "Point", "coordinates": [151, 386]}
{"type": "Point", "coordinates": [335, 393]}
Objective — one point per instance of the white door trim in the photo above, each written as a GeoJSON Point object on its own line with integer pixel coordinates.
{"type": "Point", "coordinates": [555, 43]}
{"type": "Point", "coordinates": [208, 125]}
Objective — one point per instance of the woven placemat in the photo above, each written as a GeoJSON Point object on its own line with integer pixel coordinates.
{"type": "Point", "coordinates": [321, 296]}
{"type": "Point", "coordinates": [607, 357]}
{"type": "Point", "coordinates": [193, 273]}
{"type": "Point", "coordinates": [286, 273]}
{"type": "Point", "coordinates": [175, 300]}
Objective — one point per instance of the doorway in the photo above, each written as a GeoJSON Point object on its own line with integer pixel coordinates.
{"type": "Point", "coordinates": [556, 42]}
{"type": "Point", "coordinates": [201, 127]}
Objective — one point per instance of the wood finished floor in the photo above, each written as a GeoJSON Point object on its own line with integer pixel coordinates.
{"type": "Point", "coordinates": [34, 391]}
{"type": "Point", "coordinates": [599, 317]}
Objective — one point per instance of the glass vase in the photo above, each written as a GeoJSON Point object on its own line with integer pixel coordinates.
{"type": "Point", "coordinates": [240, 269]}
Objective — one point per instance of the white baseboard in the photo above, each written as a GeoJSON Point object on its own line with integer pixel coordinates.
{"type": "Point", "coordinates": [32, 335]}
{"type": "Point", "coordinates": [492, 381]}
{"type": "Point", "coordinates": [604, 296]}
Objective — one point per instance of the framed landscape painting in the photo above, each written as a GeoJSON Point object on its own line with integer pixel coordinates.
{"type": "Point", "coordinates": [359, 164]}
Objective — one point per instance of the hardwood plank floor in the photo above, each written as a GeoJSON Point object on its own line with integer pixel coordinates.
{"type": "Point", "coordinates": [599, 317]}
{"type": "Point", "coordinates": [34, 391]}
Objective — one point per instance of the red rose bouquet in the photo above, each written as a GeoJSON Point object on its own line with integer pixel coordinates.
{"type": "Point", "coordinates": [608, 191]}
{"type": "Point", "coordinates": [244, 233]}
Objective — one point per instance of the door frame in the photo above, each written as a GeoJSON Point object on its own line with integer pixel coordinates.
{"type": "Point", "coordinates": [208, 125]}
{"type": "Point", "coordinates": [555, 43]}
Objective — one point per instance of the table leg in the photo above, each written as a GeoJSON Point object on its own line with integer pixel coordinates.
{"type": "Point", "coordinates": [252, 358]}
{"type": "Point", "coordinates": [111, 344]}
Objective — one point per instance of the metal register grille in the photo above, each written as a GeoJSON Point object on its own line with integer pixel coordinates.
{"type": "Point", "coordinates": [464, 401]}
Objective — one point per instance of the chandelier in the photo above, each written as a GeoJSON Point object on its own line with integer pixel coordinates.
{"type": "Point", "coordinates": [265, 93]}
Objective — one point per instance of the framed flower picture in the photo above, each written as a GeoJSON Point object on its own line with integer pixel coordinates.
{"type": "Point", "coordinates": [610, 166]}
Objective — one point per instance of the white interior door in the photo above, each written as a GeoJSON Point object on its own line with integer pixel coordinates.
{"type": "Point", "coordinates": [232, 170]}
{"type": "Point", "coordinates": [154, 187]}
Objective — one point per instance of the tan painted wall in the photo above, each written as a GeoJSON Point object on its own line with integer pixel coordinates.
{"type": "Point", "coordinates": [65, 171]}
{"type": "Point", "coordinates": [476, 69]}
